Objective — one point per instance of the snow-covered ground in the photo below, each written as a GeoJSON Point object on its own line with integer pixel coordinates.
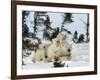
{"type": "Point", "coordinates": [80, 57]}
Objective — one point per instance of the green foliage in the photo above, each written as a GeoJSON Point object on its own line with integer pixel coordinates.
{"type": "Point", "coordinates": [67, 18]}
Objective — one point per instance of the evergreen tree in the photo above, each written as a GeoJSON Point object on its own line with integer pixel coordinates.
{"type": "Point", "coordinates": [75, 37]}
{"type": "Point", "coordinates": [67, 18]}
{"type": "Point", "coordinates": [87, 27]}
{"type": "Point", "coordinates": [24, 14]}
{"type": "Point", "coordinates": [47, 22]}
{"type": "Point", "coordinates": [81, 38]}
{"type": "Point", "coordinates": [25, 28]}
{"type": "Point", "coordinates": [35, 22]}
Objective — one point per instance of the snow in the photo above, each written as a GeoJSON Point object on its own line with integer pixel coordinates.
{"type": "Point", "coordinates": [28, 58]}
{"type": "Point", "coordinates": [80, 52]}
{"type": "Point", "coordinates": [80, 58]}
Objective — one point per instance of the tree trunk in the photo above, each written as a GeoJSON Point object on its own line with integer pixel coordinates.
{"type": "Point", "coordinates": [87, 29]}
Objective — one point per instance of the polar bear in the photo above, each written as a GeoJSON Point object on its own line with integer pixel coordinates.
{"type": "Point", "coordinates": [40, 53]}
{"type": "Point", "coordinates": [52, 50]}
{"type": "Point", "coordinates": [59, 48]}
{"type": "Point", "coordinates": [62, 36]}
{"type": "Point", "coordinates": [65, 46]}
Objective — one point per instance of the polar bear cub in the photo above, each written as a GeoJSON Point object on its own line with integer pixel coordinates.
{"type": "Point", "coordinates": [52, 50]}
{"type": "Point", "coordinates": [40, 53]}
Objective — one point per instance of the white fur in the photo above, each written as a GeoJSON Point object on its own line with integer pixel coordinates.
{"type": "Point", "coordinates": [59, 47]}
{"type": "Point", "coordinates": [52, 49]}
{"type": "Point", "coordinates": [40, 53]}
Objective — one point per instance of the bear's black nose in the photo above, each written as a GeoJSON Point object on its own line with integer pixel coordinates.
{"type": "Point", "coordinates": [69, 50]}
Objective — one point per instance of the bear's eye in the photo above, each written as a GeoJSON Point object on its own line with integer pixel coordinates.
{"type": "Point", "coordinates": [44, 47]}
{"type": "Point", "coordinates": [57, 41]}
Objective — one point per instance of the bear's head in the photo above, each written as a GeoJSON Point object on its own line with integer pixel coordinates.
{"type": "Point", "coordinates": [56, 42]}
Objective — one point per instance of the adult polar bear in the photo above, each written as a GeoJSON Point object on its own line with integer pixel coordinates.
{"type": "Point", "coordinates": [59, 48]}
